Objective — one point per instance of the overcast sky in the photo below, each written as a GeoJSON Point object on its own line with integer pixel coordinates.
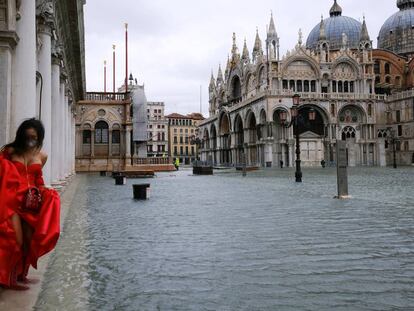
{"type": "Point", "coordinates": [174, 45]}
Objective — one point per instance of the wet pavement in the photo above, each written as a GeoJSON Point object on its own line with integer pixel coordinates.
{"type": "Point", "coordinates": [225, 242]}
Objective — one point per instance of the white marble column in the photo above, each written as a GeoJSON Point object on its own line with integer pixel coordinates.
{"type": "Point", "coordinates": [291, 150]}
{"type": "Point", "coordinates": [110, 144]}
{"type": "Point", "coordinates": [92, 144]}
{"type": "Point", "coordinates": [45, 69]}
{"type": "Point", "coordinates": [128, 147]}
{"type": "Point", "coordinates": [73, 133]}
{"type": "Point", "coordinates": [54, 156]}
{"type": "Point", "coordinates": [61, 132]}
{"type": "Point", "coordinates": [24, 67]}
{"type": "Point", "coordinates": [68, 137]}
{"type": "Point", "coordinates": [5, 92]}
{"type": "Point", "coordinates": [66, 134]}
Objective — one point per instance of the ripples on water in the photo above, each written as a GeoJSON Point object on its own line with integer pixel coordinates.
{"type": "Point", "coordinates": [227, 243]}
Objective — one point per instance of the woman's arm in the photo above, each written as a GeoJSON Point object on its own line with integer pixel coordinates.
{"type": "Point", "coordinates": [43, 158]}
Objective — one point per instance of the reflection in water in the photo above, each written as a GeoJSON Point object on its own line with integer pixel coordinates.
{"type": "Point", "coordinates": [226, 243]}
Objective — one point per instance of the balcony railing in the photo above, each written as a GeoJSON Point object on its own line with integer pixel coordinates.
{"type": "Point", "coordinates": [331, 96]}
{"type": "Point", "coordinates": [400, 95]}
{"type": "Point", "coordinates": [101, 96]}
{"type": "Point", "coordinates": [152, 161]}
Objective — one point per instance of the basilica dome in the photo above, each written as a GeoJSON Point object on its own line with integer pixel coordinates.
{"type": "Point", "coordinates": [397, 33]}
{"type": "Point", "coordinates": [335, 26]}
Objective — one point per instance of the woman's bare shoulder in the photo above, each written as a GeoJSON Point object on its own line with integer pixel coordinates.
{"type": "Point", "coordinates": [43, 156]}
{"type": "Point", "coordinates": [7, 150]}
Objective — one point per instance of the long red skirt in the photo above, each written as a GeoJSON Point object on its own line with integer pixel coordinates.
{"type": "Point", "coordinates": [45, 226]}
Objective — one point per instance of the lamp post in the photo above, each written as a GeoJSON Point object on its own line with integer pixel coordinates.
{"type": "Point", "coordinates": [393, 140]}
{"type": "Point", "coordinates": [295, 121]}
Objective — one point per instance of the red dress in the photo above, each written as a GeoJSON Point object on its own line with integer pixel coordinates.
{"type": "Point", "coordinates": [14, 182]}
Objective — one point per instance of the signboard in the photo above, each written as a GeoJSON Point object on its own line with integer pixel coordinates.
{"type": "Point", "coordinates": [342, 169]}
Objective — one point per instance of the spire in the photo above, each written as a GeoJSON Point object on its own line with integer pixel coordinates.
{"type": "Point", "coordinates": [364, 32]}
{"type": "Point", "coordinates": [234, 49]}
{"type": "Point", "coordinates": [272, 28]}
{"type": "Point", "coordinates": [336, 10]}
{"type": "Point", "coordinates": [212, 80]}
{"type": "Point", "coordinates": [235, 56]}
{"type": "Point", "coordinates": [322, 31]}
{"type": "Point", "coordinates": [257, 50]}
{"type": "Point", "coordinates": [228, 67]}
{"type": "Point", "coordinates": [300, 38]}
{"type": "Point", "coordinates": [219, 76]}
{"type": "Point", "coordinates": [245, 55]}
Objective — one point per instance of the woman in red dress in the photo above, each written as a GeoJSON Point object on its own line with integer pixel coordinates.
{"type": "Point", "coordinates": [25, 235]}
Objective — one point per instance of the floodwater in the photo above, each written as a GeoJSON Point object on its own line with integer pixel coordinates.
{"type": "Point", "coordinates": [225, 242]}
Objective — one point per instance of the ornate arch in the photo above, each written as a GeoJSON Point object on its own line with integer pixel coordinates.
{"type": "Point", "coordinates": [349, 61]}
{"type": "Point", "coordinates": [261, 70]}
{"type": "Point", "coordinates": [213, 130]}
{"type": "Point", "coordinates": [279, 109]}
{"type": "Point", "coordinates": [249, 85]}
{"type": "Point", "coordinates": [352, 113]}
{"type": "Point", "coordinates": [304, 58]}
{"type": "Point", "coordinates": [224, 128]}
{"type": "Point", "coordinates": [321, 110]}
{"type": "Point", "coordinates": [237, 120]}
{"type": "Point", "coordinates": [262, 116]}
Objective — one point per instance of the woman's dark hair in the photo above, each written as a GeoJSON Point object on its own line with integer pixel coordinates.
{"type": "Point", "coordinates": [19, 144]}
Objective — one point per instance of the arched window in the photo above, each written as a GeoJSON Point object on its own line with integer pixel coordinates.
{"type": "Point", "coordinates": [387, 68]}
{"type": "Point", "coordinates": [101, 132]}
{"type": "Point", "coordinates": [86, 136]}
{"type": "Point", "coordinates": [369, 109]}
{"type": "Point", "coordinates": [236, 88]}
{"type": "Point", "coordinates": [116, 136]}
{"type": "Point", "coordinates": [340, 88]}
{"type": "Point", "coordinates": [348, 132]}
{"type": "Point", "coordinates": [292, 85]}
{"type": "Point", "coordinates": [262, 76]}
{"type": "Point", "coordinates": [299, 86]}
{"type": "Point", "coordinates": [313, 86]}
{"type": "Point", "coordinates": [377, 68]}
{"type": "Point", "coordinates": [398, 81]}
{"type": "Point", "coordinates": [306, 86]}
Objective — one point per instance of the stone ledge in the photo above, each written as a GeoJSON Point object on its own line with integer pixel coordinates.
{"type": "Point", "coordinates": [9, 37]}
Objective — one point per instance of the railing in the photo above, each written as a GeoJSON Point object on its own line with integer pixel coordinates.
{"type": "Point", "coordinates": [328, 96]}
{"type": "Point", "coordinates": [101, 96]}
{"type": "Point", "coordinates": [152, 161]}
{"type": "Point", "coordinates": [400, 95]}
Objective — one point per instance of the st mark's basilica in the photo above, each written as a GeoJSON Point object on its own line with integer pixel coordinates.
{"type": "Point", "coordinates": [361, 95]}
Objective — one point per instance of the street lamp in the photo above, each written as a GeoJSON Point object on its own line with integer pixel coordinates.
{"type": "Point", "coordinates": [393, 140]}
{"type": "Point", "coordinates": [296, 120]}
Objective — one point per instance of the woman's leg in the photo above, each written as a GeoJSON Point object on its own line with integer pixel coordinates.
{"type": "Point", "coordinates": [27, 238]}
{"type": "Point", "coordinates": [17, 226]}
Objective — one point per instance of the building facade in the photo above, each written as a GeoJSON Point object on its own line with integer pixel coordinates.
{"type": "Point", "coordinates": [42, 75]}
{"type": "Point", "coordinates": [103, 132]}
{"type": "Point", "coordinates": [157, 129]}
{"type": "Point", "coordinates": [111, 132]}
{"type": "Point", "coordinates": [337, 74]}
{"type": "Point", "coordinates": [181, 133]}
